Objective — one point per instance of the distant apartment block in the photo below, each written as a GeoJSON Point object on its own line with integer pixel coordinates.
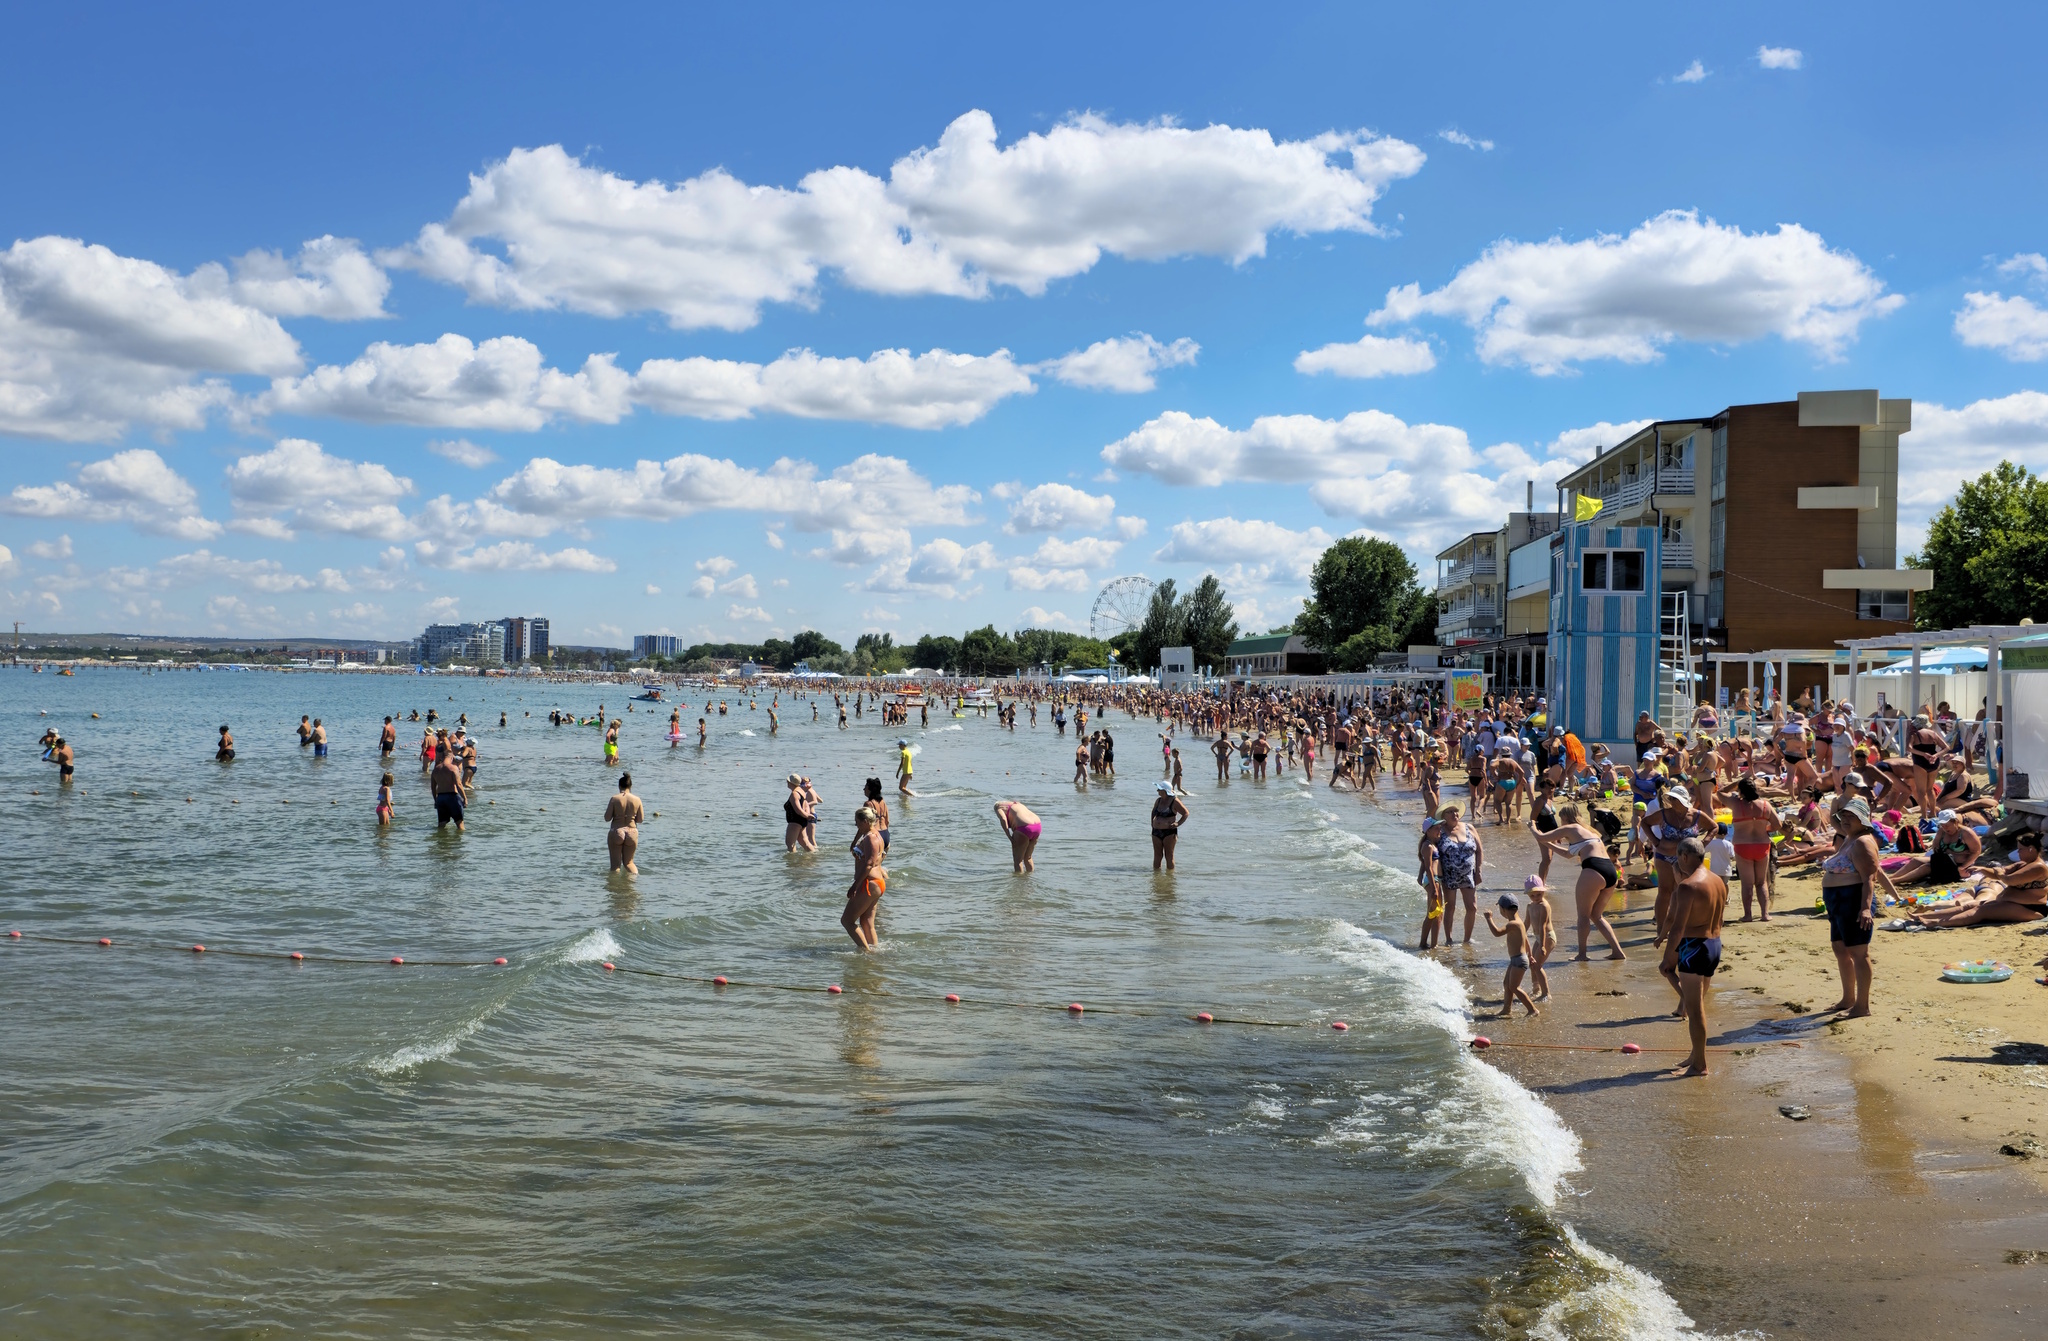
{"type": "Point", "coordinates": [656, 645]}
{"type": "Point", "coordinates": [526, 638]}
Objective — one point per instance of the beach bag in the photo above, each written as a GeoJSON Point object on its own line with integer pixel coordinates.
{"type": "Point", "coordinates": [1910, 840]}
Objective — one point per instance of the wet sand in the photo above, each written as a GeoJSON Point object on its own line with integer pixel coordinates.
{"type": "Point", "coordinates": [1888, 1211]}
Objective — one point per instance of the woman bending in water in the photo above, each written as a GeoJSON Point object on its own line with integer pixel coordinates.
{"type": "Point", "coordinates": [624, 813]}
{"type": "Point", "coordinates": [870, 882]}
{"type": "Point", "coordinates": [1023, 829]}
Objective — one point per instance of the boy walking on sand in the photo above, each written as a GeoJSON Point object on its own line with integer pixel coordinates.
{"type": "Point", "coordinates": [1518, 956]}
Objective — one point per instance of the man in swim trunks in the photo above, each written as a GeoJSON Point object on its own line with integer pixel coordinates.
{"type": "Point", "coordinates": [319, 740]}
{"type": "Point", "coordinates": [387, 745]}
{"type": "Point", "coordinates": [624, 813]}
{"type": "Point", "coordinates": [903, 766]}
{"type": "Point", "coordinates": [1697, 905]}
{"type": "Point", "coordinates": [60, 754]}
{"type": "Point", "coordinates": [446, 781]}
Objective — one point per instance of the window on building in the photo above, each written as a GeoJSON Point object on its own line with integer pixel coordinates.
{"type": "Point", "coordinates": [1720, 468]}
{"type": "Point", "coordinates": [1674, 530]}
{"type": "Point", "coordinates": [1671, 456]}
{"type": "Point", "coordinates": [1896, 606]}
{"type": "Point", "coordinates": [1717, 537]}
{"type": "Point", "coordinates": [1611, 570]}
{"type": "Point", "coordinates": [1717, 595]}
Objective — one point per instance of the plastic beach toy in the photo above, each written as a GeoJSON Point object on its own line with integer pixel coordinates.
{"type": "Point", "coordinates": [1976, 970]}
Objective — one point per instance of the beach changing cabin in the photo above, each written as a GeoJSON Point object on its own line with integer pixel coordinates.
{"type": "Point", "coordinates": [1605, 589]}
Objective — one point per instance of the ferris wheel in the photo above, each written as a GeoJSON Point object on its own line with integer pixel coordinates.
{"type": "Point", "coordinates": [1120, 606]}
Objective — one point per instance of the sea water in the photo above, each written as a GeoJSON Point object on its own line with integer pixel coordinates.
{"type": "Point", "coordinates": [256, 1145]}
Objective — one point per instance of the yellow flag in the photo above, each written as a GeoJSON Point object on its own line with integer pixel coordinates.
{"type": "Point", "coordinates": [1587, 508]}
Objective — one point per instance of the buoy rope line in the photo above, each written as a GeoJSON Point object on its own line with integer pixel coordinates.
{"type": "Point", "coordinates": [1480, 1043]}
{"type": "Point", "coordinates": [720, 980]}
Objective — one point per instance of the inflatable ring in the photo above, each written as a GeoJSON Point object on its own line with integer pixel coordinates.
{"type": "Point", "coordinates": [1976, 971]}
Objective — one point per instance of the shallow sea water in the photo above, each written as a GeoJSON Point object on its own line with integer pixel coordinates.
{"type": "Point", "coordinates": [254, 1147]}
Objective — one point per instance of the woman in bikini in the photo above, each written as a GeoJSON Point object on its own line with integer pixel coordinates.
{"type": "Point", "coordinates": [1022, 828]}
{"type": "Point", "coordinates": [2014, 892]}
{"type": "Point", "coordinates": [870, 882]}
{"type": "Point", "coordinates": [1954, 850]}
{"type": "Point", "coordinates": [1169, 812]}
{"type": "Point", "coordinates": [1597, 875]}
{"type": "Point", "coordinates": [1752, 818]}
{"type": "Point", "coordinates": [1927, 747]}
{"type": "Point", "coordinates": [873, 793]}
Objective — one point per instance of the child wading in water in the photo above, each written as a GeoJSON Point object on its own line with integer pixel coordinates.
{"type": "Point", "coordinates": [1518, 956]}
{"type": "Point", "coordinates": [1542, 937]}
{"type": "Point", "coordinates": [384, 801]}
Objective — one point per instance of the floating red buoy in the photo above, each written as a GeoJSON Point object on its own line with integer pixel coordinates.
{"type": "Point", "coordinates": [833, 989]}
{"type": "Point", "coordinates": [15, 934]}
{"type": "Point", "coordinates": [398, 959]}
{"type": "Point", "coordinates": [105, 941]}
{"type": "Point", "coordinates": [297, 955]}
{"type": "Point", "coordinates": [719, 981]}
{"type": "Point", "coordinates": [953, 998]}
{"type": "Point", "coordinates": [1339, 1025]}
{"type": "Point", "coordinates": [1206, 1018]}
{"type": "Point", "coordinates": [500, 960]}
{"type": "Point", "coordinates": [609, 966]}
{"type": "Point", "coordinates": [198, 949]}
{"type": "Point", "coordinates": [1482, 1042]}
{"type": "Point", "coordinates": [1631, 1048]}
{"type": "Point", "coordinates": [1074, 1007]}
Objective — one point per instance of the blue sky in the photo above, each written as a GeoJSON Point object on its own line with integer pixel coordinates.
{"type": "Point", "coordinates": [318, 326]}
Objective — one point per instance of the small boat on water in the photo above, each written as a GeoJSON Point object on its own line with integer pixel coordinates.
{"type": "Point", "coordinates": [650, 693]}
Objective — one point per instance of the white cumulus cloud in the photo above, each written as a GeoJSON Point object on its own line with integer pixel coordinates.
{"type": "Point", "coordinates": [299, 480]}
{"type": "Point", "coordinates": [462, 452]}
{"type": "Point", "coordinates": [1038, 617]}
{"type": "Point", "coordinates": [2013, 326]}
{"type": "Point", "coordinates": [510, 556]}
{"type": "Point", "coordinates": [938, 567]}
{"type": "Point", "coordinates": [548, 493]}
{"type": "Point", "coordinates": [957, 218]}
{"type": "Point", "coordinates": [92, 341]}
{"type": "Point", "coordinates": [330, 277]}
{"type": "Point", "coordinates": [60, 548]}
{"type": "Point", "coordinates": [934, 389]}
{"type": "Point", "coordinates": [454, 383]}
{"type": "Point", "coordinates": [1691, 74]}
{"type": "Point", "coordinates": [1547, 305]}
{"type": "Point", "coordinates": [1025, 578]}
{"type": "Point", "coordinates": [1369, 356]}
{"type": "Point", "coordinates": [1258, 544]}
{"type": "Point", "coordinates": [136, 487]}
{"type": "Point", "coordinates": [1086, 552]}
{"type": "Point", "coordinates": [1779, 58]}
{"type": "Point", "coordinates": [1949, 446]}
{"type": "Point", "coordinates": [1122, 363]}
{"type": "Point", "coordinates": [1059, 507]}
{"type": "Point", "coordinates": [1464, 141]}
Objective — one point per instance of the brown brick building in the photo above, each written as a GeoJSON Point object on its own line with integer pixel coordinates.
{"type": "Point", "coordinates": [1779, 522]}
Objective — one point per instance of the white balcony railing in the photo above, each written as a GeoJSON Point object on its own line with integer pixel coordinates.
{"type": "Point", "coordinates": [1678, 554]}
{"type": "Point", "coordinates": [1619, 494]}
{"type": "Point", "coordinates": [1466, 570]}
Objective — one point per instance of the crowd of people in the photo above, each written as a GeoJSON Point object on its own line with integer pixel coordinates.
{"type": "Point", "coordinates": [1881, 805]}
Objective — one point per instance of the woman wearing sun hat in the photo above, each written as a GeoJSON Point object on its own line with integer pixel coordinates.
{"type": "Point", "coordinates": [1169, 812]}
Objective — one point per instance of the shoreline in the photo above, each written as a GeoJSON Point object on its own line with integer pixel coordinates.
{"type": "Point", "coordinates": [1889, 1210]}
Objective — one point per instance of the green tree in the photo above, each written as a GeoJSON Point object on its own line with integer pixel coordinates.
{"type": "Point", "coordinates": [878, 654]}
{"type": "Point", "coordinates": [936, 652]}
{"type": "Point", "coordinates": [1057, 648]}
{"type": "Point", "coordinates": [986, 652]}
{"type": "Point", "coordinates": [811, 644]}
{"type": "Point", "coordinates": [1207, 623]}
{"type": "Point", "coordinates": [1365, 601]}
{"type": "Point", "coordinates": [1162, 627]}
{"type": "Point", "coordinates": [1989, 552]}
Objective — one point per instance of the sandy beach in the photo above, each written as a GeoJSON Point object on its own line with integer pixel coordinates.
{"type": "Point", "coordinates": [1888, 1209]}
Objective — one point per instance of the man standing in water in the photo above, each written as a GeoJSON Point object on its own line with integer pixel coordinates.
{"type": "Point", "coordinates": [1697, 906]}
{"type": "Point", "coordinates": [446, 781]}
{"type": "Point", "coordinates": [319, 740]}
{"type": "Point", "coordinates": [624, 813]}
{"type": "Point", "coordinates": [903, 767]}
{"type": "Point", "coordinates": [387, 745]}
{"type": "Point", "coordinates": [61, 755]}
